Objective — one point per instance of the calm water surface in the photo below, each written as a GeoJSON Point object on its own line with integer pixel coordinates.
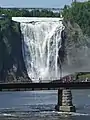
{"type": "Point", "coordinates": [39, 105]}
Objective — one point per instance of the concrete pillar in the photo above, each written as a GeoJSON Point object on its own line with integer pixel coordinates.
{"type": "Point", "coordinates": [65, 101]}
{"type": "Point", "coordinates": [66, 98]}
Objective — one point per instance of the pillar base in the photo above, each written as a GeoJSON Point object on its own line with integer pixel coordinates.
{"type": "Point", "coordinates": [65, 108]}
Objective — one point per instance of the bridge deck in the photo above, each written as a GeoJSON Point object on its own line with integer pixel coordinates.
{"type": "Point", "coordinates": [43, 86]}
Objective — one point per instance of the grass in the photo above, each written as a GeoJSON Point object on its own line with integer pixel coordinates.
{"type": "Point", "coordinates": [84, 76]}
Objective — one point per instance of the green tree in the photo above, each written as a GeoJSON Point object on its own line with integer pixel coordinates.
{"type": "Point", "coordinates": [79, 12]}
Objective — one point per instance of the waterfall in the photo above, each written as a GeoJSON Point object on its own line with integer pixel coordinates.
{"type": "Point", "coordinates": [40, 45]}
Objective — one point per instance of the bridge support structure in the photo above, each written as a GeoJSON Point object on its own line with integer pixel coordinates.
{"type": "Point", "coordinates": [65, 101]}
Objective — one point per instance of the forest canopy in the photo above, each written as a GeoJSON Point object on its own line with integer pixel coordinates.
{"type": "Point", "coordinates": [78, 12]}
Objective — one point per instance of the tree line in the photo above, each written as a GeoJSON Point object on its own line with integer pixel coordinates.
{"type": "Point", "coordinates": [79, 12]}
{"type": "Point", "coordinates": [15, 12]}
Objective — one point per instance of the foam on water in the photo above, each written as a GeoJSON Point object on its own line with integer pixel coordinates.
{"type": "Point", "coordinates": [65, 113]}
{"type": "Point", "coordinates": [8, 115]}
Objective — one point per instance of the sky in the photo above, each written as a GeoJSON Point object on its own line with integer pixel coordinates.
{"type": "Point", "coordinates": [35, 3]}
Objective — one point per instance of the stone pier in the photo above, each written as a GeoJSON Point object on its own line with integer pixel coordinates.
{"type": "Point", "coordinates": [65, 101]}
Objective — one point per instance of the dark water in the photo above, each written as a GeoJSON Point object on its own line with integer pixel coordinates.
{"type": "Point", "coordinates": [40, 105]}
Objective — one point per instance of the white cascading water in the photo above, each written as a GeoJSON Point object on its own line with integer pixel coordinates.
{"type": "Point", "coordinates": [40, 46]}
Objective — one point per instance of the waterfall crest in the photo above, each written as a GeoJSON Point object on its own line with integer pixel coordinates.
{"type": "Point", "coordinates": [40, 46]}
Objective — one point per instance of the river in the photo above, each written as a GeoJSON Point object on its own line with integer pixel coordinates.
{"type": "Point", "coordinates": [39, 105]}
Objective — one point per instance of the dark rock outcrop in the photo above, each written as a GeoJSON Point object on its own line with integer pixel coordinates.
{"type": "Point", "coordinates": [77, 48]}
{"type": "Point", "coordinates": [12, 67]}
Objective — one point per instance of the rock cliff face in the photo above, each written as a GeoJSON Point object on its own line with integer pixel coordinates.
{"type": "Point", "coordinates": [12, 66]}
{"type": "Point", "coordinates": [77, 48]}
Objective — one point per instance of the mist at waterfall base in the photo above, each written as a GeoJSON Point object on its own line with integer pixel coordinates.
{"type": "Point", "coordinates": [41, 43]}
{"type": "Point", "coordinates": [78, 61]}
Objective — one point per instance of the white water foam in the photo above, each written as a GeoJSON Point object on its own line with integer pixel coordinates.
{"type": "Point", "coordinates": [8, 115]}
{"type": "Point", "coordinates": [66, 113]}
